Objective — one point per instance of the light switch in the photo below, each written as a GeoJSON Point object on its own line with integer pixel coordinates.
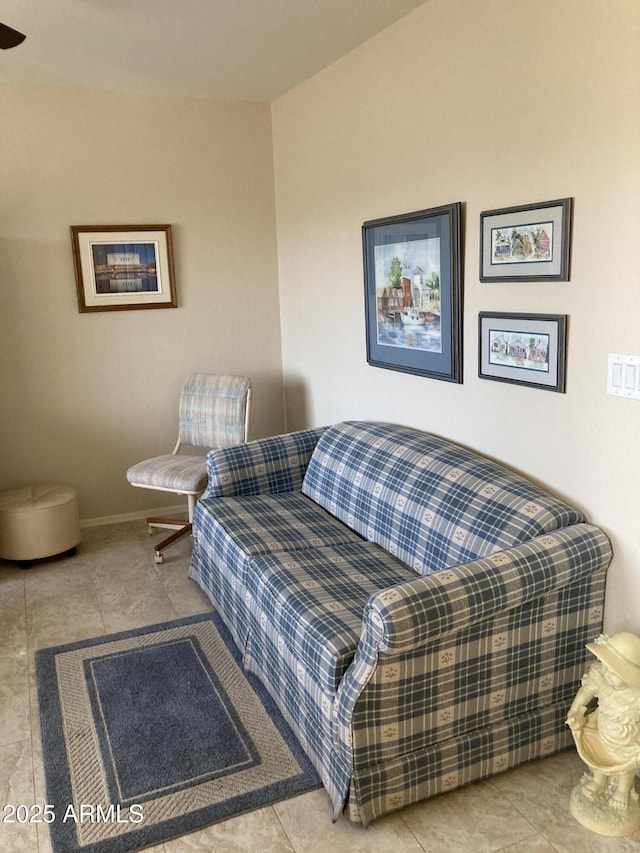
{"type": "Point", "coordinates": [630, 377]}
{"type": "Point", "coordinates": [623, 375]}
{"type": "Point", "coordinates": [616, 375]}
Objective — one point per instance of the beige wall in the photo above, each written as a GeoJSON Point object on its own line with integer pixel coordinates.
{"type": "Point", "coordinates": [83, 396]}
{"type": "Point", "coordinates": [491, 103]}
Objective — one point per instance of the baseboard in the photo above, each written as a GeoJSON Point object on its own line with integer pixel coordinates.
{"type": "Point", "coordinates": [133, 516]}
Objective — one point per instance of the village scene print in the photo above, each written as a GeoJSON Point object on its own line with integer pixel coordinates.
{"type": "Point", "coordinates": [522, 244]}
{"type": "Point", "coordinates": [519, 350]}
{"type": "Point", "coordinates": [407, 277]}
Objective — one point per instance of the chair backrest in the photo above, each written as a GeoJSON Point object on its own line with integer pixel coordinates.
{"type": "Point", "coordinates": [214, 410]}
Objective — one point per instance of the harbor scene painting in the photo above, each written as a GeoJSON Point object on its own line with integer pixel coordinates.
{"type": "Point", "coordinates": [413, 292]}
{"type": "Point", "coordinates": [407, 279]}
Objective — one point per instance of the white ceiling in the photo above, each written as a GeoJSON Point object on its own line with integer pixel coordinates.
{"type": "Point", "coordinates": [251, 50]}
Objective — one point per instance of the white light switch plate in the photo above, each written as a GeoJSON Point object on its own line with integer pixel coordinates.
{"type": "Point", "coordinates": [623, 375]}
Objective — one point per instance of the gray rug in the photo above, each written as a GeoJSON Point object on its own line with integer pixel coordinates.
{"type": "Point", "coordinates": [154, 733]}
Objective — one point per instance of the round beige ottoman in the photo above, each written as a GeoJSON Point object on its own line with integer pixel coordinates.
{"type": "Point", "coordinates": [38, 521]}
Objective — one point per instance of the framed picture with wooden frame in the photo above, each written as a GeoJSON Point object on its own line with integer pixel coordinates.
{"type": "Point", "coordinates": [123, 267]}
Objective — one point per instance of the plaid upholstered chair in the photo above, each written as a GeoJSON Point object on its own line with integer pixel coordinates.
{"type": "Point", "coordinates": [214, 413]}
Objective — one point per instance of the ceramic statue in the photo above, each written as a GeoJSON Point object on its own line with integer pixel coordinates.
{"type": "Point", "coordinates": [607, 737]}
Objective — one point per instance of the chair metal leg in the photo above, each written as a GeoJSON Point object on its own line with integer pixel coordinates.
{"type": "Point", "coordinates": [170, 540]}
{"type": "Point", "coordinates": [182, 527]}
{"type": "Point", "coordinates": [169, 523]}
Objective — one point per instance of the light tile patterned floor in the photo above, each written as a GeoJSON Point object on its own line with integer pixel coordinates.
{"type": "Point", "coordinates": [112, 585]}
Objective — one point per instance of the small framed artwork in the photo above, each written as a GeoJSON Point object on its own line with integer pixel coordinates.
{"type": "Point", "coordinates": [413, 298]}
{"type": "Point", "coordinates": [526, 349]}
{"type": "Point", "coordinates": [123, 267]}
{"type": "Point", "coordinates": [527, 243]}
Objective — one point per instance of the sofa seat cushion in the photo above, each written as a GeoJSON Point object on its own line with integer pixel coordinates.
{"type": "Point", "coordinates": [240, 529]}
{"type": "Point", "coordinates": [315, 599]}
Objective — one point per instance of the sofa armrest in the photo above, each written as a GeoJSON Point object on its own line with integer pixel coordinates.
{"type": "Point", "coordinates": [264, 466]}
{"type": "Point", "coordinates": [415, 612]}
{"type": "Point", "coordinates": [495, 645]}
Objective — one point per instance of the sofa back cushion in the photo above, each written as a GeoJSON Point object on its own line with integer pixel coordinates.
{"type": "Point", "coordinates": [430, 503]}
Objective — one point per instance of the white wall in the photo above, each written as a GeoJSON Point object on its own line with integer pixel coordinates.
{"type": "Point", "coordinates": [83, 396]}
{"type": "Point", "coordinates": [492, 103]}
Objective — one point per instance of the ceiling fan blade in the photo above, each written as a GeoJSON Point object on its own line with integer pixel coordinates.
{"type": "Point", "coordinates": [9, 38]}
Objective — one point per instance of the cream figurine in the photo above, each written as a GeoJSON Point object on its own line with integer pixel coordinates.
{"type": "Point", "coordinates": [607, 737]}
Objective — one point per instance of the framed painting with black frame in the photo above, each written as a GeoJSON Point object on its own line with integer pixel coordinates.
{"type": "Point", "coordinates": [413, 292]}
{"type": "Point", "coordinates": [531, 242]}
{"type": "Point", "coordinates": [524, 349]}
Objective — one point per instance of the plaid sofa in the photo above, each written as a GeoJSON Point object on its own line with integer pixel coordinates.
{"type": "Point", "coordinates": [418, 612]}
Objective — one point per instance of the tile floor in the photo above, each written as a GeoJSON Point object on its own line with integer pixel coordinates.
{"type": "Point", "coordinates": [112, 585]}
